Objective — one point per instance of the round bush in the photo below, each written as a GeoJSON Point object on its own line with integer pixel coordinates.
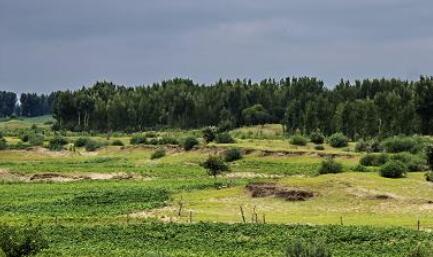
{"type": "Point", "coordinates": [319, 147]}
{"type": "Point", "coordinates": [362, 146]}
{"type": "Point", "coordinates": [215, 165]}
{"type": "Point", "coordinates": [36, 139]}
{"type": "Point", "coordinates": [224, 138]}
{"type": "Point", "coordinates": [81, 141]}
{"type": "Point", "coordinates": [399, 144]}
{"type": "Point", "coordinates": [329, 165]}
{"type": "Point", "coordinates": [393, 169]}
{"type": "Point", "coordinates": [57, 143]}
{"type": "Point", "coordinates": [92, 145]}
{"type": "Point", "coordinates": [413, 162]}
{"type": "Point", "coordinates": [232, 154]}
{"type": "Point", "coordinates": [209, 134]}
{"type": "Point", "coordinates": [189, 143]}
{"type": "Point", "coordinates": [429, 176]}
{"type": "Point", "coordinates": [3, 144]}
{"type": "Point", "coordinates": [159, 153]}
{"type": "Point", "coordinates": [360, 168]}
{"type": "Point", "coordinates": [117, 142]}
{"type": "Point", "coordinates": [374, 159]}
{"type": "Point", "coordinates": [137, 139]}
{"type": "Point", "coordinates": [338, 140]}
{"type": "Point", "coordinates": [317, 137]}
{"type": "Point", "coordinates": [298, 140]}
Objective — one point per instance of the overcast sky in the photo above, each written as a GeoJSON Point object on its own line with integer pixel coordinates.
{"type": "Point", "coordinates": [48, 45]}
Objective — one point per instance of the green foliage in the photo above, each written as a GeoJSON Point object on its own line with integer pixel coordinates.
{"type": "Point", "coordinates": [92, 145]}
{"type": "Point", "coordinates": [232, 154]}
{"type": "Point", "coordinates": [36, 139]}
{"type": "Point", "coordinates": [255, 114]}
{"type": "Point", "coordinates": [374, 159]}
{"type": "Point", "coordinates": [329, 165]}
{"type": "Point", "coordinates": [412, 161]}
{"type": "Point", "coordinates": [338, 140]}
{"type": "Point", "coordinates": [166, 140]}
{"type": "Point", "coordinates": [209, 134]}
{"type": "Point", "coordinates": [362, 146]}
{"type": "Point", "coordinates": [429, 155]}
{"type": "Point", "coordinates": [393, 169]}
{"type": "Point", "coordinates": [137, 139]}
{"type": "Point", "coordinates": [117, 142]}
{"type": "Point", "coordinates": [189, 143]}
{"type": "Point", "coordinates": [398, 144]}
{"type": "Point", "coordinates": [319, 147]}
{"type": "Point", "coordinates": [3, 143]}
{"type": "Point", "coordinates": [422, 251]}
{"type": "Point", "coordinates": [158, 153]}
{"type": "Point", "coordinates": [298, 140]}
{"type": "Point", "coordinates": [301, 248]}
{"type": "Point", "coordinates": [360, 168]}
{"type": "Point", "coordinates": [429, 176]}
{"type": "Point", "coordinates": [215, 165]}
{"type": "Point", "coordinates": [81, 141]}
{"type": "Point", "coordinates": [317, 137]}
{"type": "Point", "coordinates": [224, 138]}
{"type": "Point", "coordinates": [21, 241]}
{"type": "Point", "coordinates": [57, 143]}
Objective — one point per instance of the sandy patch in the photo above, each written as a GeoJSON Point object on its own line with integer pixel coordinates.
{"type": "Point", "coordinates": [165, 214]}
{"type": "Point", "coordinates": [250, 175]}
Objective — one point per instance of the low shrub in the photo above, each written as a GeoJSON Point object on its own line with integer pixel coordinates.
{"type": "Point", "coordinates": [92, 145]}
{"type": "Point", "coordinates": [152, 141]}
{"type": "Point", "coordinates": [224, 138]}
{"type": "Point", "coordinates": [24, 137]}
{"type": "Point", "coordinates": [429, 176]}
{"type": "Point", "coordinates": [137, 139]}
{"type": "Point", "coordinates": [429, 155]}
{"type": "Point", "coordinates": [232, 154]}
{"type": "Point", "coordinates": [189, 143]}
{"type": "Point", "coordinates": [399, 144]}
{"type": "Point", "coordinates": [362, 146]}
{"type": "Point", "coordinates": [21, 241]}
{"type": "Point", "coordinates": [393, 169]}
{"type": "Point", "coordinates": [319, 147]}
{"type": "Point", "coordinates": [300, 248]}
{"type": "Point", "coordinates": [57, 143]}
{"type": "Point", "coordinates": [360, 168]}
{"type": "Point", "coordinates": [298, 140]}
{"type": "Point", "coordinates": [374, 159]}
{"type": "Point", "coordinates": [338, 140]}
{"type": "Point", "coordinates": [81, 141]}
{"type": "Point", "coordinates": [36, 139]}
{"type": "Point", "coordinates": [329, 165]}
{"type": "Point", "coordinates": [413, 162]}
{"type": "Point", "coordinates": [422, 251]}
{"type": "Point", "coordinates": [117, 142]}
{"type": "Point", "coordinates": [317, 137]}
{"type": "Point", "coordinates": [209, 134]}
{"type": "Point", "coordinates": [214, 165]}
{"type": "Point", "coordinates": [158, 153]}
{"type": "Point", "coordinates": [165, 140]}
{"type": "Point", "coordinates": [3, 144]}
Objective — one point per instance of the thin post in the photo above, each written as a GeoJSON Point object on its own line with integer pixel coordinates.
{"type": "Point", "coordinates": [180, 209]}
{"type": "Point", "coordinates": [341, 220]}
{"type": "Point", "coordinates": [127, 219]}
{"type": "Point", "coordinates": [264, 219]}
{"type": "Point", "coordinates": [418, 224]}
{"type": "Point", "coordinates": [190, 216]}
{"type": "Point", "coordinates": [242, 213]}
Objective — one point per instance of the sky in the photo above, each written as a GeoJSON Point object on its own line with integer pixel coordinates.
{"type": "Point", "coordinates": [48, 45]}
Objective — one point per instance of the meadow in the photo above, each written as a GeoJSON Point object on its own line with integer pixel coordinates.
{"type": "Point", "coordinates": [117, 200]}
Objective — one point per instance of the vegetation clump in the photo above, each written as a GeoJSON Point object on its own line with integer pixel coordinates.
{"type": "Point", "coordinates": [189, 143]}
{"type": "Point", "coordinates": [360, 168]}
{"type": "Point", "coordinates": [209, 134]}
{"type": "Point", "coordinates": [374, 159]}
{"type": "Point", "coordinates": [158, 153]}
{"type": "Point", "coordinates": [298, 140]}
{"type": "Point", "coordinates": [393, 169]}
{"type": "Point", "coordinates": [338, 140]}
{"type": "Point", "coordinates": [137, 139]}
{"type": "Point", "coordinates": [117, 142]}
{"type": "Point", "coordinates": [319, 147]}
{"type": "Point", "coordinates": [329, 165]}
{"type": "Point", "coordinates": [215, 165]}
{"type": "Point", "coordinates": [224, 138]}
{"type": "Point", "coordinates": [232, 154]}
{"type": "Point", "coordinates": [399, 144]}
{"type": "Point", "coordinates": [412, 161]}
{"type": "Point", "coordinates": [81, 141]}
{"type": "Point", "coordinates": [57, 143]}
{"type": "Point", "coordinates": [92, 145]}
{"type": "Point", "coordinates": [3, 143]}
{"type": "Point", "coordinates": [317, 137]}
{"type": "Point", "coordinates": [300, 248]}
{"type": "Point", "coordinates": [21, 241]}
{"type": "Point", "coordinates": [36, 139]}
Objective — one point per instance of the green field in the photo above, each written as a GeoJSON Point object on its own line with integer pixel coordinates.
{"type": "Point", "coordinates": [117, 201]}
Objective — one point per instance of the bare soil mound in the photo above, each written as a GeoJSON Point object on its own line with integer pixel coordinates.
{"type": "Point", "coordinates": [269, 189]}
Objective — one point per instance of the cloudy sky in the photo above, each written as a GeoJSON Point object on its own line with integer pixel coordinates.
{"type": "Point", "coordinates": [47, 45]}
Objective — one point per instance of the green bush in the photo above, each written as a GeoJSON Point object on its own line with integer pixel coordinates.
{"type": "Point", "coordinates": [21, 241]}
{"type": "Point", "coordinates": [429, 155]}
{"type": "Point", "coordinates": [362, 146]}
{"type": "Point", "coordinates": [81, 141]}
{"type": "Point", "coordinates": [224, 138]}
{"type": "Point", "coordinates": [36, 139]}
{"type": "Point", "coordinates": [422, 251]}
{"type": "Point", "coordinates": [117, 142]}
{"type": "Point", "coordinates": [329, 165]}
{"type": "Point", "coordinates": [429, 176]}
{"type": "Point", "coordinates": [189, 143]}
{"type": "Point", "coordinates": [374, 159]}
{"type": "Point", "coordinates": [158, 153]}
{"type": "Point", "coordinates": [3, 144]}
{"type": "Point", "coordinates": [319, 147]}
{"type": "Point", "coordinates": [298, 140]}
{"type": "Point", "coordinates": [317, 137]}
{"type": "Point", "coordinates": [360, 168]}
{"type": "Point", "coordinates": [165, 140]}
{"type": "Point", "coordinates": [57, 143]}
{"type": "Point", "coordinates": [338, 140]}
{"type": "Point", "coordinates": [393, 169]}
{"type": "Point", "coordinates": [209, 134]}
{"type": "Point", "coordinates": [92, 145]}
{"type": "Point", "coordinates": [232, 154]}
{"type": "Point", "coordinates": [300, 248]}
{"type": "Point", "coordinates": [24, 137]}
{"type": "Point", "coordinates": [214, 165]}
{"type": "Point", "coordinates": [413, 162]}
{"type": "Point", "coordinates": [137, 139]}
{"type": "Point", "coordinates": [398, 144]}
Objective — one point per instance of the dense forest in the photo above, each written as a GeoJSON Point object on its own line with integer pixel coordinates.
{"type": "Point", "coordinates": [31, 104]}
{"type": "Point", "coordinates": [367, 108]}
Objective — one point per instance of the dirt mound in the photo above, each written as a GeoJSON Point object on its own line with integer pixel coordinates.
{"type": "Point", "coordinates": [51, 177]}
{"type": "Point", "coordinates": [269, 189]}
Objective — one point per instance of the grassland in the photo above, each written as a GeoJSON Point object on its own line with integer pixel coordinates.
{"type": "Point", "coordinates": [116, 201]}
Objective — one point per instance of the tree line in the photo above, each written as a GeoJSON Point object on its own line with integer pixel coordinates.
{"type": "Point", "coordinates": [367, 108]}
{"type": "Point", "coordinates": [29, 105]}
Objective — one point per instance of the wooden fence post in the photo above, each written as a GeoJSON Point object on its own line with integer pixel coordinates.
{"type": "Point", "coordinates": [242, 213]}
